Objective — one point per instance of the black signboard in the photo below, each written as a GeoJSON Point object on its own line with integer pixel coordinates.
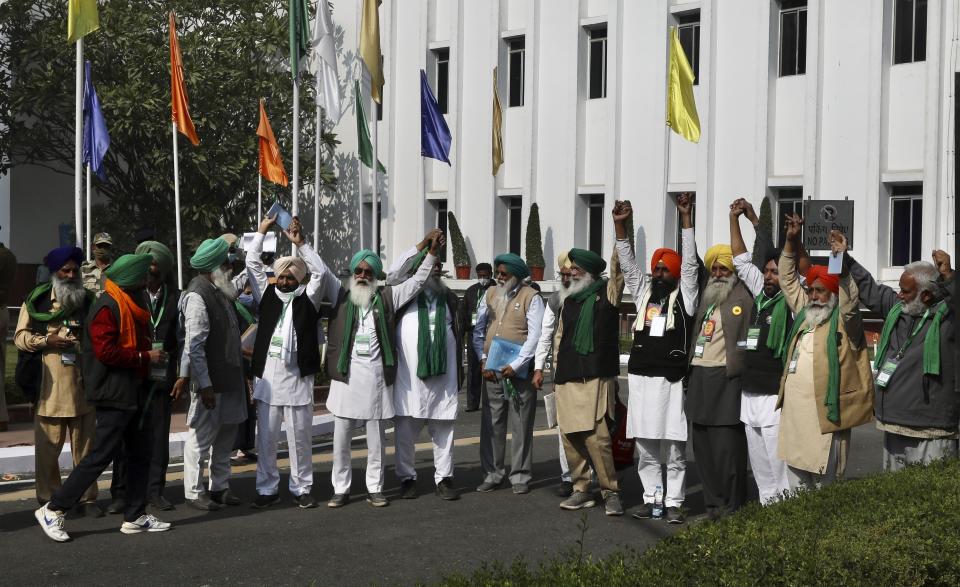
{"type": "Point", "coordinates": [822, 216]}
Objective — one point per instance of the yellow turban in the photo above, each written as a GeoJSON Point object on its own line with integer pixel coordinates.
{"type": "Point", "coordinates": [719, 254]}
{"type": "Point", "coordinates": [563, 260]}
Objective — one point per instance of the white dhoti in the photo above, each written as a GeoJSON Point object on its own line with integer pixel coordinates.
{"type": "Point", "coordinates": [299, 421]}
{"type": "Point", "coordinates": [655, 418]}
{"type": "Point", "coordinates": [761, 422]}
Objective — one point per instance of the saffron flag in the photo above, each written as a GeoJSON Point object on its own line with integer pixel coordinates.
{"type": "Point", "coordinates": [96, 139]}
{"type": "Point", "coordinates": [82, 19]}
{"type": "Point", "coordinates": [681, 106]}
{"type": "Point", "coordinates": [435, 136]}
{"type": "Point", "coordinates": [370, 47]}
{"type": "Point", "coordinates": [497, 137]}
{"type": "Point", "coordinates": [323, 61]}
{"type": "Point", "coordinates": [365, 149]}
{"type": "Point", "coordinates": [271, 164]}
{"type": "Point", "coordinates": [299, 34]}
{"type": "Point", "coordinates": [178, 90]}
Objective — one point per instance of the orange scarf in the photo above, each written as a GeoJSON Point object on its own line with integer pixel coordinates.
{"type": "Point", "coordinates": [131, 315]}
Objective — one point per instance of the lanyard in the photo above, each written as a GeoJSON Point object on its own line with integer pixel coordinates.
{"type": "Point", "coordinates": [283, 312]}
{"type": "Point", "coordinates": [913, 334]}
{"type": "Point", "coordinates": [163, 306]}
{"type": "Point", "coordinates": [761, 305]}
{"type": "Point", "coordinates": [709, 313]}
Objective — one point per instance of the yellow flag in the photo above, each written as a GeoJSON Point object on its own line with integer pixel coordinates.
{"type": "Point", "coordinates": [82, 18]}
{"type": "Point", "coordinates": [497, 123]}
{"type": "Point", "coordinates": [370, 47]}
{"type": "Point", "coordinates": [681, 107]}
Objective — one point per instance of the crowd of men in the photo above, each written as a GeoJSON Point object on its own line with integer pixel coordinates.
{"type": "Point", "coordinates": [764, 364]}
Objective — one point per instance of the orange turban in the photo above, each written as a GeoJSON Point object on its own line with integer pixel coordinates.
{"type": "Point", "coordinates": [831, 282]}
{"type": "Point", "coordinates": [670, 258]}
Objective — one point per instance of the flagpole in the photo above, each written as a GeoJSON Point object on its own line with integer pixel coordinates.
{"type": "Point", "coordinates": [360, 193]}
{"type": "Point", "coordinates": [176, 205]}
{"type": "Point", "coordinates": [375, 225]}
{"type": "Point", "coordinates": [316, 173]}
{"type": "Point", "coordinates": [88, 213]}
{"type": "Point", "coordinates": [259, 198]}
{"type": "Point", "coordinates": [296, 153]}
{"type": "Point", "coordinates": [78, 147]}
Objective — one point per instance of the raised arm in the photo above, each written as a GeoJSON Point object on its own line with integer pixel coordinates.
{"type": "Point", "coordinates": [256, 272]}
{"type": "Point", "coordinates": [323, 283]}
{"type": "Point", "coordinates": [615, 283]}
{"type": "Point", "coordinates": [751, 276]}
{"type": "Point", "coordinates": [633, 277]}
{"type": "Point", "coordinates": [792, 291]}
{"type": "Point", "coordinates": [404, 292]}
{"type": "Point", "coordinates": [402, 267]}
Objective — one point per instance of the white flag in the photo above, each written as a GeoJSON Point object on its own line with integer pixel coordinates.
{"type": "Point", "coordinates": [323, 60]}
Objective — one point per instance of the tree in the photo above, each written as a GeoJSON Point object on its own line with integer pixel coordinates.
{"type": "Point", "coordinates": [765, 225]}
{"type": "Point", "coordinates": [234, 53]}
{"type": "Point", "coordinates": [534, 238]}
{"type": "Point", "coordinates": [460, 256]}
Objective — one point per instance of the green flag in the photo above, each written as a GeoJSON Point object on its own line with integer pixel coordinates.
{"type": "Point", "coordinates": [299, 34]}
{"type": "Point", "coordinates": [363, 135]}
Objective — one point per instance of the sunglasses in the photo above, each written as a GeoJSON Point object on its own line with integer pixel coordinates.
{"type": "Point", "coordinates": [361, 272]}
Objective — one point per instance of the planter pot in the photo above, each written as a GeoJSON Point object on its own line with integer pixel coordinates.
{"type": "Point", "coordinates": [536, 273]}
{"type": "Point", "coordinates": [463, 272]}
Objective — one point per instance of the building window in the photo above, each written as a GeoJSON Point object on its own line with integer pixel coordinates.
{"type": "Point", "coordinates": [789, 201]}
{"type": "Point", "coordinates": [688, 30]}
{"type": "Point", "coordinates": [442, 57]}
{"type": "Point", "coordinates": [676, 216]}
{"type": "Point", "coordinates": [595, 223]}
{"type": "Point", "coordinates": [793, 37]}
{"type": "Point", "coordinates": [514, 223]}
{"type": "Point", "coordinates": [516, 55]}
{"type": "Point", "coordinates": [597, 61]}
{"type": "Point", "coordinates": [906, 224]}
{"type": "Point", "coordinates": [441, 223]}
{"type": "Point", "coordinates": [909, 31]}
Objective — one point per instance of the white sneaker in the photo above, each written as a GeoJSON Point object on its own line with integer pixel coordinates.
{"type": "Point", "coordinates": [52, 523]}
{"type": "Point", "coordinates": [145, 523]}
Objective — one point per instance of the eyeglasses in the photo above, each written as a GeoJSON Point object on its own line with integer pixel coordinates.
{"type": "Point", "coordinates": [503, 275]}
{"type": "Point", "coordinates": [361, 272]}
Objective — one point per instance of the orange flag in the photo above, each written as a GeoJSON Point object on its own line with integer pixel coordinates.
{"type": "Point", "coordinates": [178, 91]}
{"type": "Point", "coordinates": [271, 165]}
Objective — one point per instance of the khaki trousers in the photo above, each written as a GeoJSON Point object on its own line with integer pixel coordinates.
{"type": "Point", "coordinates": [596, 446]}
{"type": "Point", "coordinates": [49, 435]}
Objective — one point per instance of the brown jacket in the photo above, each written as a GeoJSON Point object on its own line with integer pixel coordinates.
{"type": "Point", "coordinates": [856, 378]}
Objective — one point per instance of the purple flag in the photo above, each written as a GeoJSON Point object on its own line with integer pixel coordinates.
{"type": "Point", "coordinates": [435, 136]}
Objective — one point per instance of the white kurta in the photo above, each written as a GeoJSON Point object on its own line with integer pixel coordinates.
{"type": "Point", "coordinates": [434, 398]}
{"type": "Point", "coordinates": [655, 409]}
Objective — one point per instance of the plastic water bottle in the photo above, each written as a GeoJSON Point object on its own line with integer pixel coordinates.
{"type": "Point", "coordinates": [658, 503]}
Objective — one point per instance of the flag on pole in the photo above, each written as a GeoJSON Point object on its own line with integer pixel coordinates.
{"type": "Point", "coordinates": [323, 60]}
{"type": "Point", "coordinates": [96, 139]}
{"type": "Point", "coordinates": [435, 136]}
{"type": "Point", "coordinates": [82, 19]}
{"type": "Point", "coordinates": [271, 163]}
{"type": "Point", "coordinates": [363, 134]}
{"type": "Point", "coordinates": [178, 90]}
{"type": "Point", "coordinates": [370, 47]}
{"type": "Point", "coordinates": [497, 137]}
{"type": "Point", "coordinates": [681, 106]}
{"type": "Point", "coordinates": [299, 34]}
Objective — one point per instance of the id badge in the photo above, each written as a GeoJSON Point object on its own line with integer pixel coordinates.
{"type": "Point", "coordinates": [158, 372]}
{"type": "Point", "coordinates": [362, 345]}
{"type": "Point", "coordinates": [658, 326]}
{"type": "Point", "coordinates": [698, 350]}
{"type": "Point", "coordinates": [709, 327]}
{"type": "Point", "coordinates": [886, 372]}
{"type": "Point", "coordinates": [68, 358]}
{"type": "Point", "coordinates": [792, 367]}
{"type": "Point", "coordinates": [473, 319]}
{"type": "Point", "coordinates": [753, 338]}
{"type": "Point", "coordinates": [651, 314]}
{"type": "Point", "coordinates": [276, 344]}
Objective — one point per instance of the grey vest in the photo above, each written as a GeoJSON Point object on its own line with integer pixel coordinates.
{"type": "Point", "coordinates": [222, 348]}
{"type": "Point", "coordinates": [338, 323]}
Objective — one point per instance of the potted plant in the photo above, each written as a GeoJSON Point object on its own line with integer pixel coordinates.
{"type": "Point", "coordinates": [461, 260]}
{"type": "Point", "coordinates": [534, 244]}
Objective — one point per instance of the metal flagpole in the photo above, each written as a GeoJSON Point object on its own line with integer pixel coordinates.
{"type": "Point", "coordinates": [259, 197]}
{"type": "Point", "coordinates": [78, 148]}
{"type": "Point", "coordinates": [176, 206]}
{"type": "Point", "coordinates": [88, 213]}
{"type": "Point", "coordinates": [375, 225]}
{"type": "Point", "coordinates": [296, 153]}
{"type": "Point", "coordinates": [316, 173]}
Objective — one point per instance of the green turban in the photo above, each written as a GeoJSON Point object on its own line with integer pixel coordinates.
{"type": "Point", "coordinates": [211, 254]}
{"type": "Point", "coordinates": [129, 270]}
{"type": "Point", "coordinates": [161, 255]}
{"type": "Point", "coordinates": [589, 261]}
{"type": "Point", "coordinates": [514, 264]}
{"type": "Point", "coordinates": [372, 260]}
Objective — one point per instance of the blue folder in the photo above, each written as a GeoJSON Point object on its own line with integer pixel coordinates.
{"type": "Point", "coordinates": [502, 353]}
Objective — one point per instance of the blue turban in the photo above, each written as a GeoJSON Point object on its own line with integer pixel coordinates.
{"type": "Point", "coordinates": [514, 264]}
{"type": "Point", "coordinates": [372, 259]}
{"type": "Point", "coordinates": [57, 258]}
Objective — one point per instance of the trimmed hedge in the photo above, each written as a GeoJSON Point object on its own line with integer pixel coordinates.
{"type": "Point", "coordinates": [887, 529]}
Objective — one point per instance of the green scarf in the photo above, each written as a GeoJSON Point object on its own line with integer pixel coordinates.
{"type": "Point", "coordinates": [431, 351]}
{"type": "Point", "coordinates": [777, 335]}
{"type": "Point", "coordinates": [244, 312]}
{"type": "Point", "coordinates": [34, 295]}
{"type": "Point", "coordinates": [832, 400]}
{"type": "Point", "coordinates": [343, 365]}
{"type": "Point", "coordinates": [931, 342]}
{"type": "Point", "coordinates": [583, 333]}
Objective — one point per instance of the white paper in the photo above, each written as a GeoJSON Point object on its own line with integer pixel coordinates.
{"type": "Point", "coordinates": [550, 407]}
{"type": "Point", "coordinates": [658, 326]}
{"type": "Point", "coordinates": [835, 265]}
{"type": "Point", "coordinates": [269, 242]}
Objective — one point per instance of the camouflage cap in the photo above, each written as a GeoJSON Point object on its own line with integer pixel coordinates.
{"type": "Point", "coordinates": [102, 238]}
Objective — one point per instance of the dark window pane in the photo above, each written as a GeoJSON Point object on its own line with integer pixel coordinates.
{"type": "Point", "coordinates": [516, 54]}
{"type": "Point", "coordinates": [442, 224]}
{"type": "Point", "coordinates": [443, 76]}
{"type": "Point", "coordinates": [802, 43]}
{"type": "Point", "coordinates": [598, 65]}
{"type": "Point", "coordinates": [916, 222]}
{"type": "Point", "coordinates": [900, 225]}
{"type": "Point", "coordinates": [920, 31]}
{"type": "Point", "coordinates": [785, 4]}
{"type": "Point", "coordinates": [595, 226]}
{"type": "Point", "coordinates": [903, 31]}
{"type": "Point", "coordinates": [515, 224]}
{"type": "Point", "coordinates": [788, 43]}
{"type": "Point", "coordinates": [690, 41]}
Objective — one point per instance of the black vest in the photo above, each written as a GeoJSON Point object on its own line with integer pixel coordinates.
{"type": "Point", "coordinates": [763, 370]}
{"type": "Point", "coordinates": [305, 321]}
{"type": "Point", "coordinates": [222, 348]}
{"type": "Point", "coordinates": [166, 329]}
{"type": "Point", "coordinates": [338, 323]}
{"type": "Point", "coordinates": [106, 386]}
{"type": "Point", "coordinates": [604, 361]}
{"type": "Point", "coordinates": [663, 356]}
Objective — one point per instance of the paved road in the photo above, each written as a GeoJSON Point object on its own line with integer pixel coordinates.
{"type": "Point", "coordinates": [410, 541]}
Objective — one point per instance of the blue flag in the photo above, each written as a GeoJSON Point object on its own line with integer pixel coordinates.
{"type": "Point", "coordinates": [435, 136]}
{"type": "Point", "coordinates": [96, 140]}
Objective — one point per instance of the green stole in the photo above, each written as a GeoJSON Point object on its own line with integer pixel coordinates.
{"type": "Point", "coordinates": [34, 295]}
{"type": "Point", "coordinates": [931, 342]}
{"type": "Point", "coordinates": [832, 401]}
{"type": "Point", "coordinates": [431, 349]}
{"type": "Point", "coordinates": [583, 333]}
{"type": "Point", "coordinates": [343, 365]}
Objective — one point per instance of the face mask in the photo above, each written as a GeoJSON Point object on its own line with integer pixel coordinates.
{"type": "Point", "coordinates": [101, 254]}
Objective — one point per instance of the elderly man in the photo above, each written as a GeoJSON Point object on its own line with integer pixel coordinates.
{"type": "Point", "coordinates": [52, 320]}
{"type": "Point", "coordinates": [770, 321]}
{"type": "Point", "coordinates": [713, 393]}
{"type": "Point", "coordinates": [588, 364]}
{"type": "Point", "coordinates": [916, 404]}
{"type": "Point", "coordinates": [213, 366]}
{"type": "Point", "coordinates": [286, 359]}
{"type": "Point", "coordinates": [92, 271]}
{"type": "Point", "coordinates": [665, 303]}
{"type": "Point", "coordinates": [362, 363]}
{"type": "Point", "coordinates": [163, 297]}
{"type": "Point", "coordinates": [512, 311]}
{"type": "Point", "coordinates": [827, 387]}
{"type": "Point", "coordinates": [429, 372]}
{"type": "Point", "coordinates": [468, 318]}
{"type": "Point", "coordinates": [116, 358]}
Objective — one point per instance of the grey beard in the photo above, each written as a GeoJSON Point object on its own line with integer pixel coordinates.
{"type": "Point", "coordinates": [914, 308]}
{"type": "Point", "coordinates": [434, 285]}
{"type": "Point", "coordinates": [361, 295]}
{"type": "Point", "coordinates": [576, 286]}
{"type": "Point", "coordinates": [718, 289]}
{"type": "Point", "coordinates": [504, 290]}
{"type": "Point", "coordinates": [221, 280]}
{"type": "Point", "coordinates": [69, 292]}
{"type": "Point", "coordinates": [818, 313]}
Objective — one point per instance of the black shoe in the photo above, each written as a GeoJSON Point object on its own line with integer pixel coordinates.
{"type": "Point", "coordinates": [305, 501]}
{"type": "Point", "coordinates": [249, 455]}
{"type": "Point", "coordinates": [565, 489]}
{"type": "Point", "coordinates": [471, 409]}
{"type": "Point", "coordinates": [117, 506]}
{"type": "Point", "coordinates": [674, 515]}
{"type": "Point", "coordinates": [488, 486]}
{"type": "Point", "coordinates": [644, 512]}
{"type": "Point", "coordinates": [408, 489]}
{"type": "Point", "coordinates": [203, 503]}
{"type": "Point", "coordinates": [521, 488]}
{"type": "Point", "coordinates": [90, 510]}
{"type": "Point", "coordinates": [377, 500]}
{"type": "Point", "coordinates": [159, 502]}
{"type": "Point", "coordinates": [339, 500]}
{"type": "Point", "coordinates": [446, 491]}
{"type": "Point", "coordinates": [225, 497]}
{"type": "Point", "coordinates": [265, 501]}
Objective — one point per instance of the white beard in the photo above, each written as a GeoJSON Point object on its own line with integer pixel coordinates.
{"type": "Point", "coordinates": [718, 289]}
{"type": "Point", "coordinates": [818, 313]}
{"type": "Point", "coordinates": [221, 280]}
{"type": "Point", "coordinates": [504, 290]}
{"type": "Point", "coordinates": [576, 286]}
{"type": "Point", "coordinates": [915, 308]}
{"type": "Point", "coordinates": [70, 293]}
{"type": "Point", "coordinates": [361, 294]}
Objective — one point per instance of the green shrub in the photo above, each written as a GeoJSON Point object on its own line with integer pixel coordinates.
{"type": "Point", "coordinates": [460, 256]}
{"type": "Point", "coordinates": [534, 238]}
{"type": "Point", "coordinates": [887, 529]}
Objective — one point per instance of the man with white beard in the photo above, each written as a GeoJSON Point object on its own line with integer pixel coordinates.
{"type": "Point", "coordinates": [429, 373]}
{"type": "Point", "coordinates": [362, 364]}
{"type": "Point", "coordinates": [212, 365]}
{"type": "Point", "coordinates": [51, 321]}
{"type": "Point", "coordinates": [827, 387]}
